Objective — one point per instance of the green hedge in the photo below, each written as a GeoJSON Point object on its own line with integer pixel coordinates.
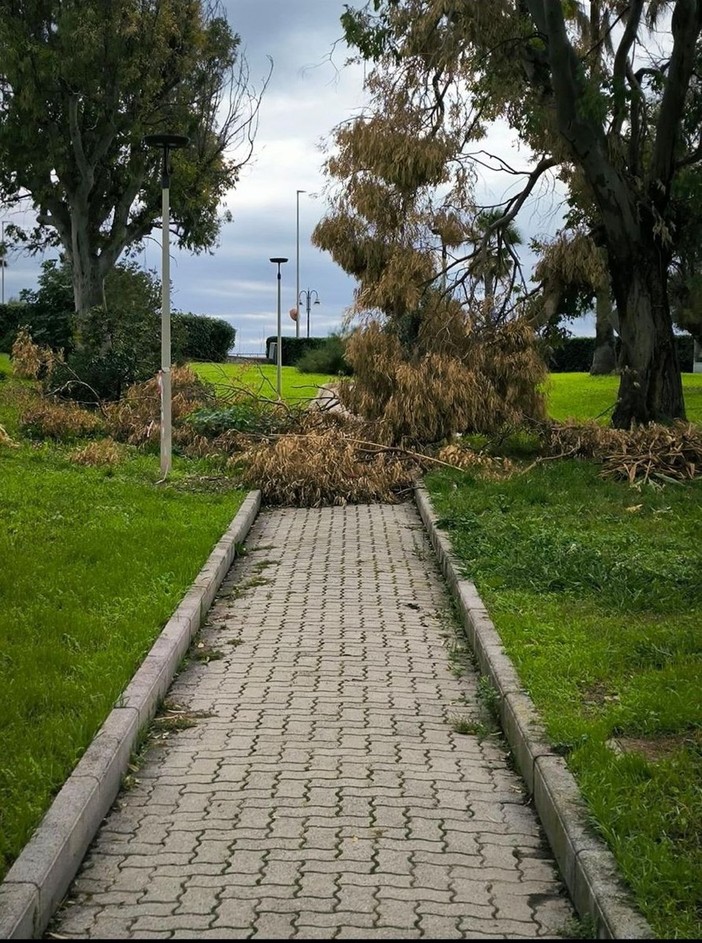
{"type": "Point", "coordinates": [294, 348]}
{"type": "Point", "coordinates": [203, 338]}
{"type": "Point", "coordinates": [575, 355]}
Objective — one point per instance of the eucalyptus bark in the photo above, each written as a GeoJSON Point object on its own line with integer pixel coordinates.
{"type": "Point", "coordinates": [603, 360]}
{"type": "Point", "coordinates": [632, 208]}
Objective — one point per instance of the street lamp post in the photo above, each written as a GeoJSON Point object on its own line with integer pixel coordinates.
{"type": "Point", "coordinates": [279, 346]}
{"type": "Point", "coordinates": [297, 280]}
{"type": "Point", "coordinates": [437, 232]}
{"type": "Point", "coordinates": [167, 142]}
{"type": "Point", "coordinates": [308, 297]}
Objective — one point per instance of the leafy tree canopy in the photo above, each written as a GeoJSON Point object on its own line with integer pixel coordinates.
{"type": "Point", "coordinates": [607, 92]}
{"type": "Point", "coordinates": [81, 83]}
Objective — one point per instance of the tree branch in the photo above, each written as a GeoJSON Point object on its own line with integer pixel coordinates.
{"type": "Point", "coordinates": [686, 25]}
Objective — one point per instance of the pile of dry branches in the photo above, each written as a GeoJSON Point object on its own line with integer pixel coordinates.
{"type": "Point", "coordinates": [328, 461]}
{"type": "Point", "coordinates": [135, 417]}
{"type": "Point", "coordinates": [666, 453]}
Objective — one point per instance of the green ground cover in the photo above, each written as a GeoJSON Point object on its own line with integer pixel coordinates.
{"type": "Point", "coordinates": [595, 589]}
{"type": "Point", "coordinates": [580, 396]}
{"type": "Point", "coordinates": [94, 561]}
{"type": "Point", "coordinates": [261, 379]}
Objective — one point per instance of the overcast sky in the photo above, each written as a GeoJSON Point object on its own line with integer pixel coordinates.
{"type": "Point", "coordinates": [307, 96]}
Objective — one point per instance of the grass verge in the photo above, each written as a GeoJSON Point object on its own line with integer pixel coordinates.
{"type": "Point", "coordinates": [94, 561]}
{"type": "Point", "coordinates": [261, 379]}
{"type": "Point", "coordinates": [580, 396]}
{"type": "Point", "coordinates": [595, 590]}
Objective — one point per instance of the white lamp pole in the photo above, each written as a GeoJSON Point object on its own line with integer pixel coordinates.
{"type": "Point", "coordinates": [279, 346]}
{"type": "Point", "coordinates": [168, 142]}
{"type": "Point", "coordinates": [297, 280]}
{"type": "Point", "coordinates": [438, 232]}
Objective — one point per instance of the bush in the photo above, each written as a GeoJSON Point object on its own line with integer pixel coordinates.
{"type": "Point", "coordinates": [90, 377]}
{"type": "Point", "coordinates": [246, 415]}
{"type": "Point", "coordinates": [11, 316]}
{"type": "Point", "coordinates": [197, 337]}
{"type": "Point", "coordinates": [104, 452]}
{"type": "Point", "coordinates": [576, 353]}
{"type": "Point", "coordinates": [135, 418]}
{"type": "Point", "coordinates": [46, 419]}
{"type": "Point", "coordinates": [293, 348]}
{"type": "Point", "coordinates": [328, 358]}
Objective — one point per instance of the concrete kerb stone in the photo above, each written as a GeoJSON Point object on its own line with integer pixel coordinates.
{"type": "Point", "coordinates": [588, 868]}
{"type": "Point", "coordinates": [41, 875]}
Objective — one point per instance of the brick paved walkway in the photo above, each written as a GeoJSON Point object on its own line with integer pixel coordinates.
{"type": "Point", "coordinates": [325, 794]}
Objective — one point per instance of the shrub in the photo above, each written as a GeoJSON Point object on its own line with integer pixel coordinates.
{"type": "Point", "coordinates": [47, 419]}
{"type": "Point", "coordinates": [197, 337]}
{"type": "Point", "coordinates": [293, 348]}
{"type": "Point", "coordinates": [31, 361]}
{"type": "Point", "coordinates": [11, 316]}
{"type": "Point", "coordinates": [92, 377]}
{"type": "Point", "coordinates": [100, 453]}
{"type": "Point", "coordinates": [246, 414]}
{"type": "Point", "coordinates": [136, 417]}
{"type": "Point", "coordinates": [330, 358]}
{"type": "Point", "coordinates": [574, 354]}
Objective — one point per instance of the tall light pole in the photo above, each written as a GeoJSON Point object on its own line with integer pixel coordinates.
{"type": "Point", "coordinates": [308, 297]}
{"type": "Point", "coordinates": [167, 142]}
{"type": "Point", "coordinates": [297, 280]}
{"type": "Point", "coordinates": [437, 232]}
{"type": "Point", "coordinates": [279, 346]}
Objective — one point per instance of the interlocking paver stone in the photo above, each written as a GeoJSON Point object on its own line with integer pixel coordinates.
{"type": "Point", "coordinates": [324, 792]}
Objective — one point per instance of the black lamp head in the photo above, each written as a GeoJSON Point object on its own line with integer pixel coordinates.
{"type": "Point", "coordinates": [170, 141]}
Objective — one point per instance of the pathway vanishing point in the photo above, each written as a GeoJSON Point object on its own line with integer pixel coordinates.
{"type": "Point", "coordinates": [322, 790]}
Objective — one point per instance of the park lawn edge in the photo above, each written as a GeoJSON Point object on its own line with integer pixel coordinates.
{"type": "Point", "coordinates": [626, 792]}
{"type": "Point", "coordinates": [74, 629]}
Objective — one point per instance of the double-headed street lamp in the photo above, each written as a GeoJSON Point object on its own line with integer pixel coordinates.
{"type": "Point", "coordinates": [168, 143]}
{"type": "Point", "coordinates": [307, 295]}
{"type": "Point", "coordinates": [279, 346]}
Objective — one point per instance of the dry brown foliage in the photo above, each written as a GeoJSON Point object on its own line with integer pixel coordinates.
{"type": "Point", "coordinates": [136, 417]}
{"type": "Point", "coordinates": [327, 466]}
{"type": "Point", "coordinates": [475, 381]}
{"type": "Point", "coordinates": [100, 453]}
{"type": "Point", "coordinates": [47, 419]}
{"type": "Point", "coordinates": [666, 453]}
{"type": "Point", "coordinates": [30, 360]}
{"type": "Point", "coordinates": [490, 466]}
{"type": "Point", "coordinates": [7, 440]}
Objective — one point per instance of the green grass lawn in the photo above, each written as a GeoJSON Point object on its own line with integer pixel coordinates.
{"type": "Point", "coordinates": [595, 589]}
{"type": "Point", "coordinates": [94, 561]}
{"type": "Point", "coordinates": [580, 396]}
{"type": "Point", "coordinates": [261, 379]}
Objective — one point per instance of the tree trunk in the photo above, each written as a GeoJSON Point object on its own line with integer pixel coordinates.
{"type": "Point", "coordinates": [603, 360]}
{"type": "Point", "coordinates": [88, 285]}
{"type": "Point", "coordinates": [650, 388]}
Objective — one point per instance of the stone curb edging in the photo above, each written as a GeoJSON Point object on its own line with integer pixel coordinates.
{"type": "Point", "coordinates": [38, 880]}
{"type": "Point", "coordinates": [587, 866]}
